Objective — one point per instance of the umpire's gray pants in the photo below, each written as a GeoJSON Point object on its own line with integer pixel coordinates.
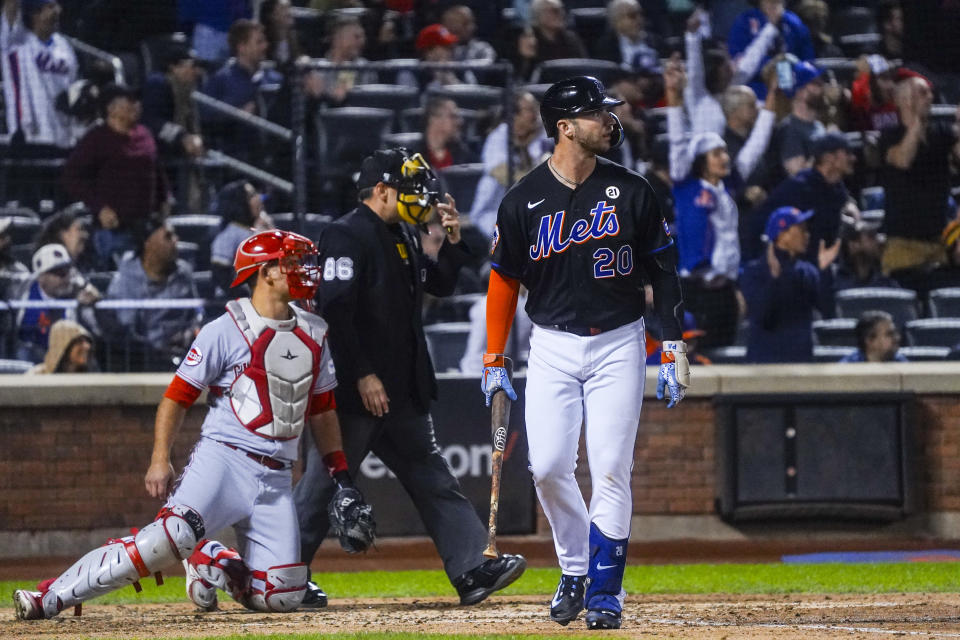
{"type": "Point", "coordinates": [405, 442]}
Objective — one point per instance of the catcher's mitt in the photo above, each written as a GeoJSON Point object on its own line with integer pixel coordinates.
{"type": "Point", "coordinates": [351, 520]}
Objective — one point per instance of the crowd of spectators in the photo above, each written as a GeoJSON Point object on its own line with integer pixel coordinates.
{"type": "Point", "coordinates": [794, 156]}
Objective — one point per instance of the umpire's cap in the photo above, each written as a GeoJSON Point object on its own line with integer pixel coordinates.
{"type": "Point", "coordinates": [572, 97]}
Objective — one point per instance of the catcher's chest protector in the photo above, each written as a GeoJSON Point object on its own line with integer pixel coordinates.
{"type": "Point", "coordinates": [272, 395]}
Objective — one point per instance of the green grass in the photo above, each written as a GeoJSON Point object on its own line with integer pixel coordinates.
{"type": "Point", "coordinates": [701, 578]}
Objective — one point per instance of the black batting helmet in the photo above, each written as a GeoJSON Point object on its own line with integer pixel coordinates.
{"type": "Point", "coordinates": [575, 96]}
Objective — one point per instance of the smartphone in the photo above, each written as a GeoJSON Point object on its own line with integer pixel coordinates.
{"type": "Point", "coordinates": [785, 77]}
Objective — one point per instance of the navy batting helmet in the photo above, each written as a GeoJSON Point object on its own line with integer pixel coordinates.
{"type": "Point", "coordinates": [576, 96]}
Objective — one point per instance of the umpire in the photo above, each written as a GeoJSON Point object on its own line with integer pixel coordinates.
{"type": "Point", "coordinates": [374, 277]}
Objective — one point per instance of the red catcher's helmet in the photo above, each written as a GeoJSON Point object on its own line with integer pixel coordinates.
{"type": "Point", "coordinates": [297, 256]}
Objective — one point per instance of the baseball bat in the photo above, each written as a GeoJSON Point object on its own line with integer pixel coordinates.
{"type": "Point", "coordinates": [499, 424]}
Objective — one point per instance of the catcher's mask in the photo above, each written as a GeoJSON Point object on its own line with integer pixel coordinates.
{"type": "Point", "coordinates": [417, 185]}
{"type": "Point", "coordinates": [296, 255]}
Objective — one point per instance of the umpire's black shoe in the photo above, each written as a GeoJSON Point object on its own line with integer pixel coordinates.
{"type": "Point", "coordinates": [567, 602]}
{"type": "Point", "coordinates": [494, 574]}
{"type": "Point", "coordinates": [314, 598]}
{"type": "Point", "coordinates": [603, 619]}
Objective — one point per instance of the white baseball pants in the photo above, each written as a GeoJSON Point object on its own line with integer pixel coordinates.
{"type": "Point", "coordinates": [596, 382]}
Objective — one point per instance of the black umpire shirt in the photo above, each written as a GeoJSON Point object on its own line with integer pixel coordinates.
{"type": "Point", "coordinates": [578, 250]}
{"type": "Point", "coordinates": [374, 275]}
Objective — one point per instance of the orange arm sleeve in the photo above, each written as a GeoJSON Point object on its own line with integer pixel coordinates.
{"type": "Point", "coordinates": [502, 294]}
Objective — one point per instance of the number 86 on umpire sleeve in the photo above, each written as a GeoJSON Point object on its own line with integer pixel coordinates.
{"type": "Point", "coordinates": [338, 269]}
{"type": "Point", "coordinates": [608, 264]}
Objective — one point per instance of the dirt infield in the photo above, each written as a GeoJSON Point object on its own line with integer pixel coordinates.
{"type": "Point", "coordinates": [710, 617]}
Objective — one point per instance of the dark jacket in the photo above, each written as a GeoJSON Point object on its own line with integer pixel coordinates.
{"type": "Point", "coordinates": [780, 310]}
{"type": "Point", "coordinates": [371, 295]}
{"type": "Point", "coordinates": [806, 190]}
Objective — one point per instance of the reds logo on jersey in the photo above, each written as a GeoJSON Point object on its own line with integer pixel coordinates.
{"type": "Point", "coordinates": [604, 223]}
{"type": "Point", "coordinates": [194, 357]}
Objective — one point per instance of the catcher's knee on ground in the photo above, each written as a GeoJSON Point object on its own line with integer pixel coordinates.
{"type": "Point", "coordinates": [162, 543]}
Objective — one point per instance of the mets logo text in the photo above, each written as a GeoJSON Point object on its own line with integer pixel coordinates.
{"type": "Point", "coordinates": [549, 236]}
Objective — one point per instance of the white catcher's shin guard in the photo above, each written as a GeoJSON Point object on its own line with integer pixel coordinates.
{"type": "Point", "coordinates": [283, 588]}
{"type": "Point", "coordinates": [163, 542]}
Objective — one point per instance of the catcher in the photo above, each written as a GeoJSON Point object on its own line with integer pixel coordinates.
{"type": "Point", "coordinates": [268, 373]}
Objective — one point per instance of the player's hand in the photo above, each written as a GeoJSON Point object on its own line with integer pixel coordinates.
{"type": "Point", "coordinates": [495, 378]}
{"type": "Point", "coordinates": [159, 479]}
{"type": "Point", "coordinates": [450, 218]}
{"type": "Point", "coordinates": [674, 372]}
{"type": "Point", "coordinates": [373, 394]}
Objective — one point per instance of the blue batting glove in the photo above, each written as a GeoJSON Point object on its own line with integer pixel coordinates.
{"type": "Point", "coordinates": [495, 378]}
{"type": "Point", "coordinates": [674, 373]}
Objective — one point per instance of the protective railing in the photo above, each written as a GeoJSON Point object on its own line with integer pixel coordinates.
{"type": "Point", "coordinates": [116, 349]}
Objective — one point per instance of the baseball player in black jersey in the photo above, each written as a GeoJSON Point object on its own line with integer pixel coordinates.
{"type": "Point", "coordinates": [578, 231]}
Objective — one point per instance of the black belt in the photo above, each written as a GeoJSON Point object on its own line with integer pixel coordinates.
{"type": "Point", "coordinates": [578, 330]}
{"type": "Point", "coordinates": [267, 461]}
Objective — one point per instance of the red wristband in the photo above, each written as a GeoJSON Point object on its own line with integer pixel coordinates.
{"type": "Point", "coordinates": [336, 461]}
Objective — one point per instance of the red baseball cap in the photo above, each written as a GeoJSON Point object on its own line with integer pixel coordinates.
{"type": "Point", "coordinates": [435, 35]}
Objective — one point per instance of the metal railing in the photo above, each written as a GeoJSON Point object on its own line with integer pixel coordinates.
{"type": "Point", "coordinates": [100, 54]}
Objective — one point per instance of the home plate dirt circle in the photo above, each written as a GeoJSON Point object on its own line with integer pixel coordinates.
{"type": "Point", "coordinates": [706, 617]}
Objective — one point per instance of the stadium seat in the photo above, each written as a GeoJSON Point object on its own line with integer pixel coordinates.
{"type": "Point", "coordinates": [933, 332]}
{"type": "Point", "coordinates": [392, 68]}
{"type": "Point", "coordinates": [22, 253]}
{"type": "Point", "coordinates": [395, 97]}
{"type": "Point", "coordinates": [346, 135]}
{"type": "Point", "coordinates": [825, 353]}
{"type": "Point", "coordinates": [855, 19]}
{"type": "Point", "coordinates": [537, 89]}
{"type": "Point", "coordinates": [844, 69]}
{"type": "Point", "coordinates": [836, 332]}
{"type": "Point", "coordinates": [408, 140]}
{"type": "Point", "coordinates": [205, 284]}
{"type": "Point", "coordinates": [900, 303]}
{"type": "Point", "coordinates": [860, 44]}
{"type": "Point", "coordinates": [551, 71]}
{"type": "Point", "coordinates": [589, 23]}
{"type": "Point", "coordinates": [312, 223]}
{"type": "Point", "coordinates": [411, 120]}
{"type": "Point", "coordinates": [872, 198]}
{"type": "Point", "coordinates": [447, 341]}
{"type": "Point", "coordinates": [470, 96]}
{"type": "Point", "coordinates": [154, 50]}
{"type": "Point", "coordinates": [199, 228]}
{"type": "Point", "coordinates": [736, 354]}
{"type": "Point", "coordinates": [24, 230]}
{"type": "Point", "coordinates": [945, 302]}
{"type": "Point", "coordinates": [189, 252]}
{"type": "Point", "coordinates": [460, 180]}
{"type": "Point", "coordinates": [382, 96]}
{"type": "Point", "coordinates": [450, 309]}
{"type": "Point", "coordinates": [923, 354]}
{"type": "Point", "coordinates": [15, 366]}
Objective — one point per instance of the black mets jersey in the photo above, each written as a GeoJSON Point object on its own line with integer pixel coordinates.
{"type": "Point", "coordinates": [577, 250]}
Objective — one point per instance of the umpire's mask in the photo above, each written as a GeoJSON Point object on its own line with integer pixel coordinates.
{"type": "Point", "coordinates": [418, 190]}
